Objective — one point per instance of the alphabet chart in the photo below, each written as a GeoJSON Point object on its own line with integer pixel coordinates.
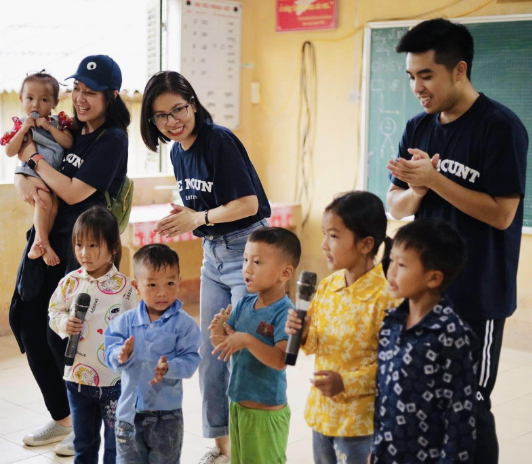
{"type": "Point", "coordinates": [210, 55]}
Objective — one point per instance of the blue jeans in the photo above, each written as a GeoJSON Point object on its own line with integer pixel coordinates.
{"type": "Point", "coordinates": [222, 284]}
{"type": "Point", "coordinates": [90, 405]}
{"type": "Point", "coordinates": [156, 437]}
{"type": "Point", "coordinates": [338, 449]}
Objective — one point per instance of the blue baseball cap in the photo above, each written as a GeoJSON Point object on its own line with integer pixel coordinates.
{"type": "Point", "coordinates": [99, 72]}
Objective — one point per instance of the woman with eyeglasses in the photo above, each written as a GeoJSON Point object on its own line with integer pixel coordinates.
{"type": "Point", "coordinates": [224, 202]}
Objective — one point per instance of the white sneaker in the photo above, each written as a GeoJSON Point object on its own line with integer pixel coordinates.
{"type": "Point", "coordinates": [66, 446]}
{"type": "Point", "coordinates": [214, 456]}
{"type": "Point", "coordinates": [48, 434]}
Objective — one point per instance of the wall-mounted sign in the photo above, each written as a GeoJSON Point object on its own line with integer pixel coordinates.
{"type": "Point", "coordinates": [306, 15]}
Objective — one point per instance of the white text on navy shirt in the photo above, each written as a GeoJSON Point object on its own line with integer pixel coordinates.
{"type": "Point", "coordinates": [195, 184]}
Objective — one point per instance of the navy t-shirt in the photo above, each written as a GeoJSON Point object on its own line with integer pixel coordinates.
{"type": "Point", "coordinates": [101, 164]}
{"type": "Point", "coordinates": [215, 170]}
{"type": "Point", "coordinates": [484, 150]}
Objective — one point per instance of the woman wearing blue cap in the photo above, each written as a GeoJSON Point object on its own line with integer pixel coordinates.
{"type": "Point", "coordinates": [96, 163]}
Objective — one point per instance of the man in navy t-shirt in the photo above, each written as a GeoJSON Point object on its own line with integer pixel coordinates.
{"type": "Point", "coordinates": [464, 160]}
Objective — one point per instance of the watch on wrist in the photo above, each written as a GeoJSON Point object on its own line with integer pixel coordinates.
{"type": "Point", "coordinates": [33, 160]}
{"type": "Point", "coordinates": [207, 219]}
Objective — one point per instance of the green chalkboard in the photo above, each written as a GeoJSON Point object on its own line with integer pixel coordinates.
{"type": "Point", "coordinates": [502, 69]}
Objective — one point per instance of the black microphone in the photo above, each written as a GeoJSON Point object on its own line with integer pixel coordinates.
{"type": "Point", "coordinates": [81, 305]}
{"type": "Point", "coordinates": [306, 287]}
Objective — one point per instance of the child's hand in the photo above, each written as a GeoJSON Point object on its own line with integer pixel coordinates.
{"type": "Point", "coordinates": [160, 370]}
{"type": "Point", "coordinates": [73, 326]}
{"type": "Point", "coordinates": [329, 384]}
{"type": "Point", "coordinates": [127, 350]}
{"type": "Point", "coordinates": [293, 324]}
{"type": "Point", "coordinates": [217, 324]}
{"type": "Point", "coordinates": [233, 343]}
{"type": "Point", "coordinates": [43, 123]}
{"type": "Point", "coordinates": [28, 123]}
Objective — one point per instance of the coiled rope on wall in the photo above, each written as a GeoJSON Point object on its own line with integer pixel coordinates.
{"type": "Point", "coordinates": [306, 129]}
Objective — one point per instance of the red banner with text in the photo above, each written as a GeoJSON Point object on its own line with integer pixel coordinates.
{"type": "Point", "coordinates": [306, 15]}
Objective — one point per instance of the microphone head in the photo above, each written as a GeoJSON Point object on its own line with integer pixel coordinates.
{"type": "Point", "coordinates": [34, 114]}
{"type": "Point", "coordinates": [82, 302]}
{"type": "Point", "coordinates": [306, 286]}
{"type": "Point", "coordinates": [308, 278]}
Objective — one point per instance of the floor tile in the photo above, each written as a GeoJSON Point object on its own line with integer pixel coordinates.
{"type": "Point", "coordinates": [510, 428]}
{"type": "Point", "coordinates": [11, 452]}
{"type": "Point", "coordinates": [194, 448]}
{"type": "Point", "coordinates": [517, 408]}
{"type": "Point", "coordinates": [38, 407]}
{"type": "Point", "coordinates": [18, 418]}
{"type": "Point", "coordinates": [40, 459]}
{"type": "Point", "coordinates": [510, 452]}
{"type": "Point", "coordinates": [17, 388]}
{"type": "Point", "coordinates": [4, 404]}
{"type": "Point", "coordinates": [299, 452]}
{"type": "Point", "coordinates": [512, 384]}
{"type": "Point", "coordinates": [299, 429]}
{"type": "Point", "coordinates": [22, 410]}
{"type": "Point", "coordinates": [516, 356]}
{"type": "Point", "coordinates": [58, 459]}
{"type": "Point", "coordinates": [11, 357]}
{"type": "Point", "coordinates": [16, 438]}
{"type": "Point", "coordinates": [525, 440]}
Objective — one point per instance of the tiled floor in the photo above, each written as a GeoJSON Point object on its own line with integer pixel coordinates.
{"type": "Point", "coordinates": [22, 409]}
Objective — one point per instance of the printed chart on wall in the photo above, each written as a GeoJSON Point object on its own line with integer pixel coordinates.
{"type": "Point", "coordinates": [210, 56]}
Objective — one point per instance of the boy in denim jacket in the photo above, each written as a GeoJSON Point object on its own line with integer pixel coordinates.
{"type": "Point", "coordinates": [155, 346]}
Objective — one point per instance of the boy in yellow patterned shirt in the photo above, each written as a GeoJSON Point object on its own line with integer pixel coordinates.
{"type": "Point", "coordinates": [342, 327]}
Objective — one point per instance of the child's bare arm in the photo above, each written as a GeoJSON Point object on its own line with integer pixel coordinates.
{"type": "Point", "coordinates": [62, 136]}
{"type": "Point", "coordinates": [272, 356]}
{"type": "Point", "coordinates": [14, 145]}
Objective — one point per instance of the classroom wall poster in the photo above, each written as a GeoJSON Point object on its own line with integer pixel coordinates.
{"type": "Point", "coordinates": [306, 15]}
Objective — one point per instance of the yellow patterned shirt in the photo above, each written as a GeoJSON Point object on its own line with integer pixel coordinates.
{"type": "Point", "coordinates": [343, 333]}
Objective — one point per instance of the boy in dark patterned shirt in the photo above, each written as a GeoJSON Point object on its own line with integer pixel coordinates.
{"type": "Point", "coordinates": [426, 404]}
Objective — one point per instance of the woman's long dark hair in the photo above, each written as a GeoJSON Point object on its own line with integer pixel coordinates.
{"type": "Point", "coordinates": [363, 213]}
{"type": "Point", "coordinates": [116, 115]}
{"type": "Point", "coordinates": [101, 225]}
{"type": "Point", "coordinates": [168, 82]}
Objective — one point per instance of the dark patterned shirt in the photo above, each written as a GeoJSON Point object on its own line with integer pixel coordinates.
{"type": "Point", "coordinates": [426, 404]}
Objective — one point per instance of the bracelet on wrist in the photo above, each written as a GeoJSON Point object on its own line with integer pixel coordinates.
{"type": "Point", "coordinates": [207, 223]}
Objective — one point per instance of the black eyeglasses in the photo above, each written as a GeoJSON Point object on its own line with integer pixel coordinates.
{"type": "Point", "coordinates": [161, 119]}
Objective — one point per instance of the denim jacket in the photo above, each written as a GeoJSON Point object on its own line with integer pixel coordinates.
{"type": "Point", "coordinates": [175, 335]}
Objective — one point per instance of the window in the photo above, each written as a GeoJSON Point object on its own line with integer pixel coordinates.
{"type": "Point", "coordinates": [56, 37]}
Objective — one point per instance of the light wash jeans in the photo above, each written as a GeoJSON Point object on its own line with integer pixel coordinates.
{"type": "Point", "coordinates": [221, 284]}
{"type": "Point", "coordinates": [333, 449]}
{"type": "Point", "coordinates": [156, 437]}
